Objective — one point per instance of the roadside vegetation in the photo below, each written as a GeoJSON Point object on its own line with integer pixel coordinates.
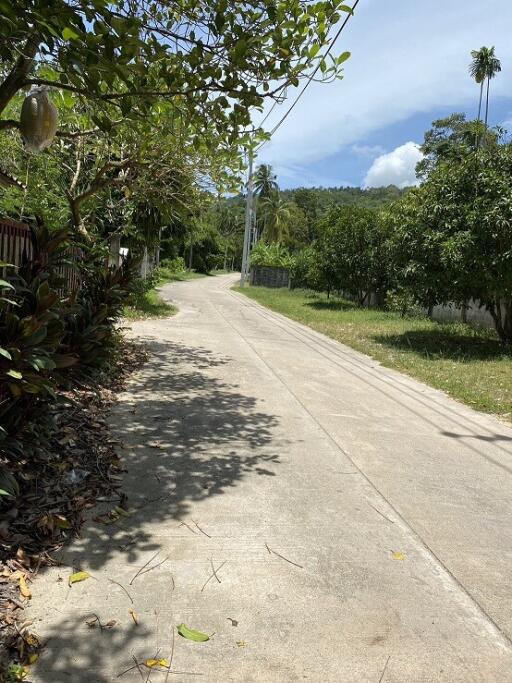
{"type": "Point", "coordinates": [470, 365]}
{"type": "Point", "coordinates": [371, 275]}
{"type": "Point", "coordinates": [125, 134]}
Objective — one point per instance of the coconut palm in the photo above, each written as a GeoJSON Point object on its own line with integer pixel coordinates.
{"type": "Point", "coordinates": [484, 66]}
{"type": "Point", "coordinates": [265, 181]}
{"type": "Point", "coordinates": [276, 218]}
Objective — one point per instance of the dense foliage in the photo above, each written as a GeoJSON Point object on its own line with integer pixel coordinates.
{"type": "Point", "coordinates": [154, 104]}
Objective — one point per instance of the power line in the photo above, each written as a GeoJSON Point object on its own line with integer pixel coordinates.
{"type": "Point", "coordinates": [268, 114]}
{"type": "Point", "coordinates": [310, 77]}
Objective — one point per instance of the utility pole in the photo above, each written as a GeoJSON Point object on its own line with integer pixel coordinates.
{"type": "Point", "coordinates": [248, 223]}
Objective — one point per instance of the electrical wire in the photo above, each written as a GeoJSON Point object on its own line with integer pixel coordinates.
{"type": "Point", "coordinates": [310, 78]}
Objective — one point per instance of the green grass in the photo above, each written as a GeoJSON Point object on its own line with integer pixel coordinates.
{"type": "Point", "coordinates": [165, 275]}
{"type": "Point", "coordinates": [469, 365]}
{"type": "Point", "coordinates": [149, 305]}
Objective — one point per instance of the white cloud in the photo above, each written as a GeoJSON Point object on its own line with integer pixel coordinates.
{"type": "Point", "coordinates": [395, 168]}
{"type": "Point", "coordinates": [406, 60]}
{"type": "Point", "coordinates": [367, 151]}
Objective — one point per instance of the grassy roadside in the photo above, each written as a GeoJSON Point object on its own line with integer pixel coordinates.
{"type": "Point", "coordinates": [471, 366]}
{"type": "Point", "coordinates": [149, 304]}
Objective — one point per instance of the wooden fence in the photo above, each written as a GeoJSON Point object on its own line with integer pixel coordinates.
{"type": "Point", "coordinates": [15, 242]}
{"type": "Point", "coordinates": [16, 247]}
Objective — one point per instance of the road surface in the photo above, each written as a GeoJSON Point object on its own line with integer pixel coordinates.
{"type": "Point", "coordinates": [326, 519]}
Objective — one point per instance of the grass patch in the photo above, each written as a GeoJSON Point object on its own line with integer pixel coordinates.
{"type": "Point", "coordinates": [149, 305]}
{"type": "Point", "coordinates": [165, 276]}
{"type": "Point", "coordinates": [469, 365]}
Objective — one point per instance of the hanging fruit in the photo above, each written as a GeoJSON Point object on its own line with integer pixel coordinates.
{"type": "Point", "coordinates": [38, 120]}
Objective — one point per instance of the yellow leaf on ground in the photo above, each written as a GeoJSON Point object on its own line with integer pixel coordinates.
{"type": "Point", "coordinates": [62, 522]}
{"type": "Point", "coordinates": [156, 662]}
{"type": "Point", "coordinates": [398, 555]}
{"type": "Point", "coordinates": [134, 616]}
{"type": "Point", "coordinates": [24, 589]}
{"type": "Point", "coordinates": [31, 639]}
{"type": "Point", "coordinates": [78, 576]}
{"type": "Point", "coordinates": [33, 659]}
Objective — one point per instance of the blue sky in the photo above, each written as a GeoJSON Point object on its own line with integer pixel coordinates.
{"type": "Point", "coordinates": [409, 66]}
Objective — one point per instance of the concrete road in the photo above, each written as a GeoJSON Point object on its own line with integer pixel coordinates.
{"type": "Point", "coordinates": [325, 518]}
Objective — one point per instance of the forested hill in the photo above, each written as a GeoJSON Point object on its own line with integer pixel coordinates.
{"type": "Point", "coordinates": [373, 197]}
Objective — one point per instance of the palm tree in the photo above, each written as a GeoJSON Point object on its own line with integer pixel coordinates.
{"type": "Point", "coordinates": [276, 217]}
{"type": "Point", "coordinates": [484, 66]}
{"type": "Point", "coordinates": [265, 181]}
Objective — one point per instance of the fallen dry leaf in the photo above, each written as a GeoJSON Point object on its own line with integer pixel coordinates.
{"type": "Point", "coordinates": [398, 555]}
{"type": "Point", "coordinates": [24, 589]}
{"type": "Point", "coordinates": [156, 662]}
{"type": "Point", "coordinates": [133, 616]}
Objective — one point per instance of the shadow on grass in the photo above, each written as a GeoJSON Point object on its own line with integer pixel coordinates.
{"type": "Point", "coordinates": [331, 305]}
{"type": "Point", "coordinates": [446, 343]}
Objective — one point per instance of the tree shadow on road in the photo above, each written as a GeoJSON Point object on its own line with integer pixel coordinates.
{"type": "Point", "coordinates": [187, 435]}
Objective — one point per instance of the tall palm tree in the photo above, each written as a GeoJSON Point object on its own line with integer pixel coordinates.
{"type": "Point", "coordinates": [277, 217]}
{"type": "Point", "coordinates": [265, 181]}
{"type": "Point", "coordinates": [484, 66]}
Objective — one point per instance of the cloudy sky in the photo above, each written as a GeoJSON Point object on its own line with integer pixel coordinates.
{"type": "Point", "coordinates": [409, 66]}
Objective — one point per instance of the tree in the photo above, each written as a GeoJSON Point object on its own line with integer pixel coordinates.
{"type": "Point", "coordinates": [265, 181]}
{"type": "Point", "coordinates": [307, 200]}
{"type": "Point", "coordinates": [453, 138]}
{"type": "Point", "coordinates": [484, 66]}
{"type": "Point", "coordinates": [216, 61]}
{"type": "Point", "coordinates": [230, 224]}
{"type": "Point", "coordinates": [276, 212]}
{"type": "Point", "coordinates": [453, 235]}
{"type": "Point", "coordinates": [351, 251]}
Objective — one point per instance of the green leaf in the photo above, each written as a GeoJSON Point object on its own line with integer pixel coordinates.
{"type": "Point", "coordinates": [78, 576]}
{"type": "Point", "coordinates": [14, 374]}
{"type": "Point", "coordinates": [190, 634]}
{"type": "Point", "coordinates": [69, 34]}
{"type": "Point", "coordinates": [5, 493]}
{"type": "Point", "coordinates": [5, 353]}
{"type": "Point", "coordinates": [314, 49]}
{"type": "Point", "coordinates": [343, 57]}
{"type": "Point", "coordinates": [5, 284]}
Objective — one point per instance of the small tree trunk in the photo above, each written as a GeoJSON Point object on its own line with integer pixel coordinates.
{"type": "Point", "coordinates": [380, 298]}
{"type": "Point", "coordinates": [501, 313]}
{"type": "Point", "coordinates": [430, 311]}
{"type": "Point", "coordinates": [477, 139]}
{"type": "Point", "coordinates": [226, 257]}
{"type": "Point", "coordinates": [487, 102]}
{"type": "Point", "coordinates": [507, 323]}
{"type": "Point", "coordinates": [190, 255]}
{"type": "Point", "coordinates": [464, 312]}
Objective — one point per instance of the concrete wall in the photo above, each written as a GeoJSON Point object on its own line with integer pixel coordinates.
{"type": "Point", "coordinates": [266, 276]}
{"type": "Point", "coordinates": [475, 315]}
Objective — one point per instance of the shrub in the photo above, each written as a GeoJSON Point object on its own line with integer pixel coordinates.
{"type": "Point", "coordinates": [47, 337]}
{"type": "Point", "coordinates": [273, 255]}
{"type": "Point", "coordinates": [173, 265]}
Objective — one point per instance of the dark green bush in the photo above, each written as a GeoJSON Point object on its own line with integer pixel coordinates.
{"type": "Point", "coordinates": [49, 337]}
